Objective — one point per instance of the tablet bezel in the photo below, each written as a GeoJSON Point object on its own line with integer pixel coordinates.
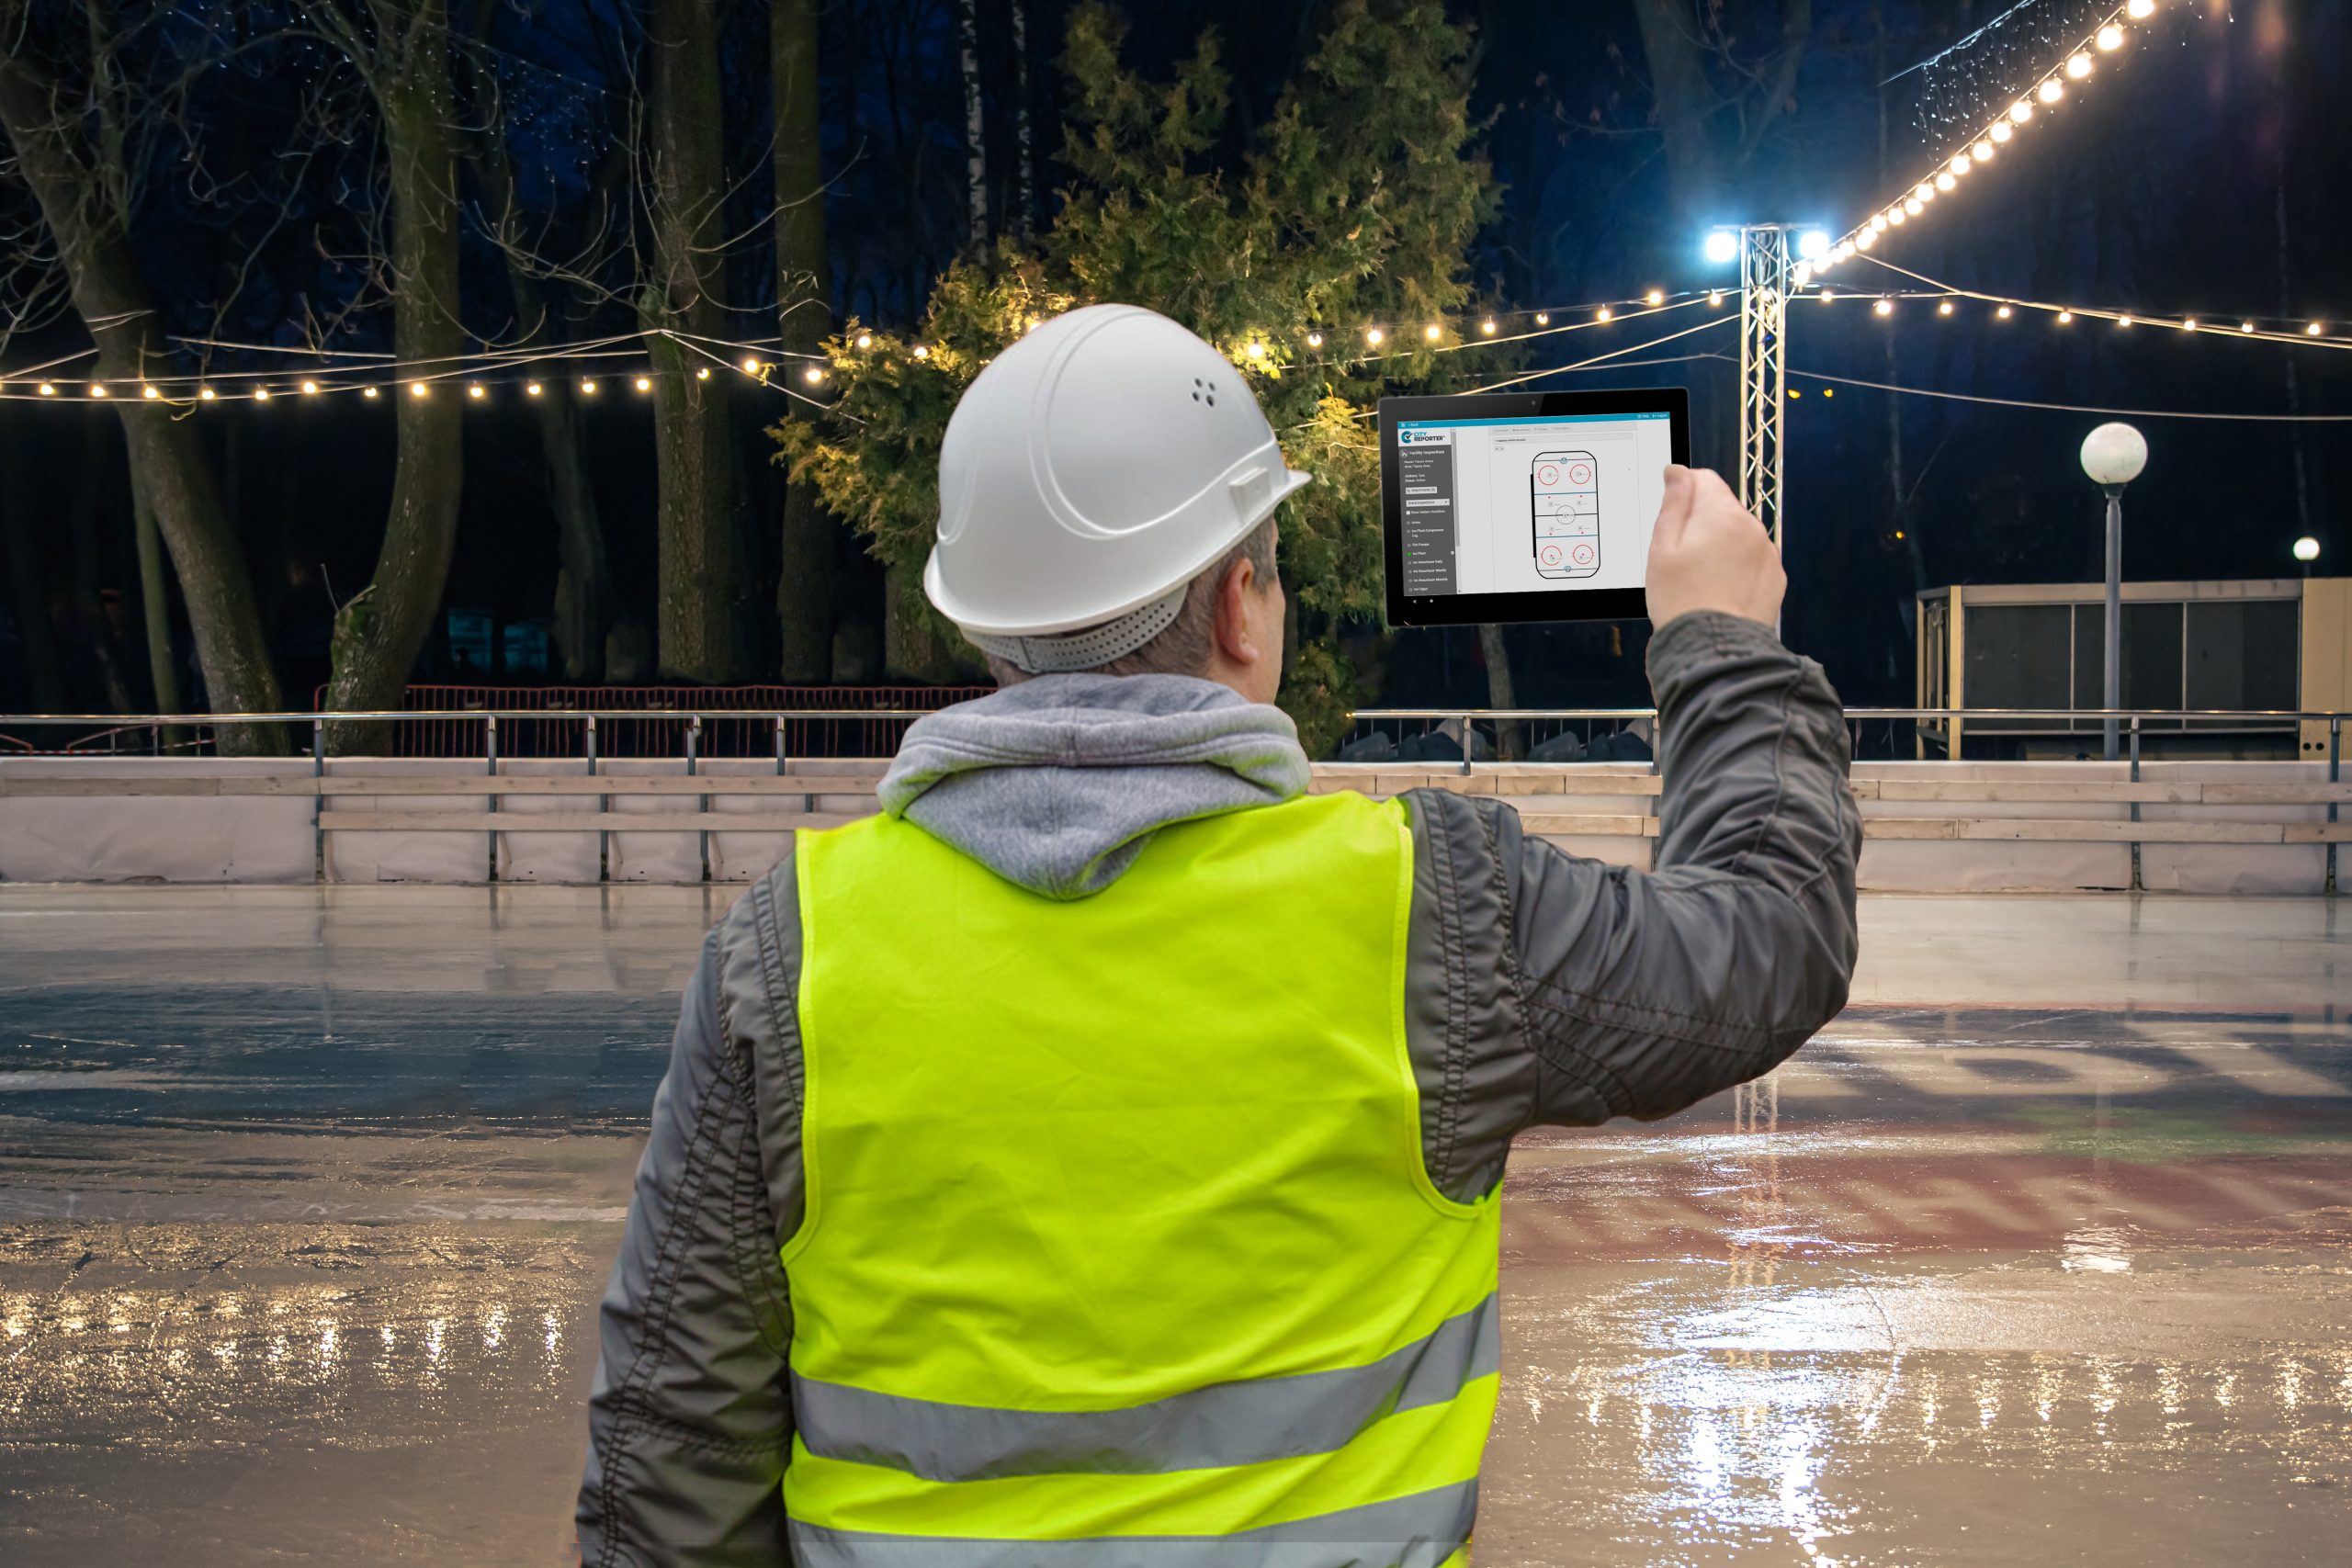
{"type": "Point", "coordinates": [1531, 604]}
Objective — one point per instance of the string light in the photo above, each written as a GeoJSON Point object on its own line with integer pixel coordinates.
{"type": "Point", "coordinates": [149, 392]}
{"type": "Point", "coordinates": [204, 394]}
{"type": "Point", "coordinates": [2110, 38]}
{"type": "Point", "coordinates": [1716, 299]}
{"type": "Point", "coordinates": [1883, 308]}
{"type": "Point", "coordinates": [1944, 181]}
{"type": "Point", "coordinates": [1487, 326]}
{"type": "Point", "coordinates": [2052, 90]}
{"type": "Point", "coordinates": [1655, 296]}
{"type": "Point", "coordinates": [814, 374]}
{"type": "Point", "coordinates": [1960, 164]}
{"type": "Point", "coordinates": [363, 391]}
{"type": "Point", "coordinates": [645, 383]}
{"type": "Point", "coordinates": [474, 389]}
{"type": "Point", "coordinates": [1255, 349]}
{"type": "Point", "coordinates": [2189, 325]}
{"type": "Point", "coordinates": [1432, 331]}
{"type": "Point", "coordinates": [261, 394]}
{"type": "Point", "coordinates": [923, 351]}
{"type": "Point", "coordinates": [1315, 340]}
{"type": "Point", "coordinates": [1944, 309]}
{"type": "Point", "coordinates": [2079, 67]}
{"type": "Point", "coordinates": [1373, 336]}
{"type": "Point", "coordinates": [750, 366]}
{"type": "Point", "coordinates": [419, 390]}
{"type": "Point", "coordinates": [2020, 112]}
{"type": "Point", "coordinates": [2004, 312]}
{"type": "Point", "coordinates": [1827, 295]}
{"type": "Point", "coordinates": [588, 388]}
{"type": "Point", "coordinates": [2245, 326]}
{"type": "Point", "coordinates": [2001, 131]}
{"type": "Point", "coordinates": [1982, 153]}
{"type": "Point", "coordinates": [2122, 321]}
{"type": "Point", "coordinates": [97, 390]}
{"type": "Point", "coordinates": [2066, 316]}
{"type": "Point", "coordinates": [2140, 10]}
{"type": "Point", "coordinates": [1878, 222]}
{"type": "Point", "coordinates": [1605, 313]}
{"type": "Point", "coordinates": [702, 372]}
{"type": "Point", "coordinates": [1543, 318]}
{"type": "Point", "coordinates": [309, 389]}
{"type": "Point", "coordinates": [2311, 330]}
{"type": "Point", "coordinates": [865, 340]}
{"type": "Point", "coordinates": [47, 391]}
{"type": "Point", "coordinates": [530, 389]}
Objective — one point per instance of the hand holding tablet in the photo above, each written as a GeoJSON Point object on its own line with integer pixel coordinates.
{"type": "Point", "coordinates": [1708, 552]}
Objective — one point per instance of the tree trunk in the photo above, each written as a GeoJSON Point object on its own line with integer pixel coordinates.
{"type": "Point", "coordinates": [380, 630]}
{"type": "Point", "coordinates": [111, 297]}
{"type": "Point", "coordinates": [917, 644]}
{"type": "Point", "coordinates": [154, 602]}
{"type": "Point", "coordinates": [1500, 692]}
{"type": "Point", "coordinates": [1678, 87]}
{"type": "Point", "coordinates": [804, 589]}
{"type": "Point", "coordinates": [976, 142]}
{"type": "Point", "coordinates": [691, 441]}
{"type": "Point", "coordinates": [1025, 150]}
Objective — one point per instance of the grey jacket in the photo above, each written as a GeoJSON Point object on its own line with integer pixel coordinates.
{"type": "Point", "coordinates": [1542, 989]}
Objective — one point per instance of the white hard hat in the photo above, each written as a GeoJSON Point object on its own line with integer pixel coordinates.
{"type": "Point", "coordinates": [1089, 473]}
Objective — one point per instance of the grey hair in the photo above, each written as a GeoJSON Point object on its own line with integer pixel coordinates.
{"type": "Point", "coordinates": [1183, 647]}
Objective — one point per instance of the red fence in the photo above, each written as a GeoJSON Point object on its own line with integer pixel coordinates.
{"type": "Point", "coordinates": [662, 734]}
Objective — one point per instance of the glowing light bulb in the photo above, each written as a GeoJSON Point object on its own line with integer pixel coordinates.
{"type": "Point", "coordinates": [2066, 316]}
{"type": "Point", "coordinates": [588, 386]}
{"type": "Point", "coordinates": [814, 374]}
{"type": "Point", "coordinates": [149, 392]}
{"type": "Point", "coordinates": [475, 389]}
{"type": "Point", "coordinates": [530, 389]}
{"type": "Point", "coordinates": [2122, 321]}
{"type": "Point", "coordinates": [1945, 182]}
{"type": "Point", "coordinates": [47, 390]}
{"type": "Point", "coordinates": [309, 389]}
{"type": "Point", "coordinates": [1915, 206]}
{"type": "Point", "coordinates": [1883, 308]}
{"type": "Point", "coordinates": [363, 391]}
{"type": "Point", "coordinates": [1878, 222]}
{"type": "Point", "coordinates": [1487, 327]}
{"type": "Point", "coordinates": [750, 366]}
{"type": "Point", "coordinates": [702, 372]}
{"type": "Point", "coordinates": [2052, 90]}
{"type": "Point", "coordinates": [1373, 336]}
{"type": "Point", "coordinates": [1845, 250]}
{"type": "Point", "coordinates": [2189, 325]}
{"type": "Point", "coordinates": [1866, 239]}
{"type": "Point", "coordinates": [1944, 309]}
{"type": "Point", "coordinates": [2110, 38]}
{"type": "Point", "coordinates": [2004, 312]}
{"type": "Point", "coordinates": [1715, 298]}
{"type": "Point", "coordinates": [1960, 164]}
{"type": "Point", "coordinates": [1982, 153]}
{"type": "Point", "coordinates": [1923, 191]}
{"type": "Point", "coordinates": [1827, 295]}
{"type": "Point", "coordinates": [865, 340]}
{"type": "Point", "coordinates": [923, 351]}
{"type": "Point", "coordinates": [2245, 326]}
{"type": "Point", "coordinates": [1604, 314]}
{"type": "Point", "coordinates": [1543, 318]}
{"type": "Point", "coordinates": [2311, 330]}
{"type": "Point", "coordinates": [2001, 131]}
{"type": "Point", "coordinates": [1315, 340]}
{"type": "Point", "coordinates": [205, 394]}
{"type": "Point", "coordinates": [1432, 331]}
{"type": "Point", "coordinates": [97, 389]}
{"type": "Point", "coordinates": [1655, 296]}
{"type": "Point", "coordinates": [2079, 67]}
{"type": "Point", "coordinates": [261, 394]}
{"type": "Point", "coordinates": [2140, 10]}
{"type": "Point", "coordinates": [1256, 350]}
{"type": "Point", "coordinates": [419, 390]}
{"type": "Point", "coordinates": [1803, 276]}
{"type": "Point", "coordinates": [2020, 112]}
{"type": "Point", "coordinates": [645, 383]}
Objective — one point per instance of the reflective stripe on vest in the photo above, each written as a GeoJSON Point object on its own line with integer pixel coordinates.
{"type": "Point", "coordinates": [1117, 1225]}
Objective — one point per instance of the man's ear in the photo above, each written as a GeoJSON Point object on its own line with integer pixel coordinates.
{"type": "Point", "coordinates": [1234, 639]}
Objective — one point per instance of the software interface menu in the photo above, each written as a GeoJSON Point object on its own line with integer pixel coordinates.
{"type": "Point", "coordinates": [1510, 505]}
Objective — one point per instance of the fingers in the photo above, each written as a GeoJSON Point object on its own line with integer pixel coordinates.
{"type": "Point", "coordinates": [1674, 508]}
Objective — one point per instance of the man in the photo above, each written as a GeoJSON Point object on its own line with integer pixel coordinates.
{"type": "Point", "coordinates": [1095, 1158]}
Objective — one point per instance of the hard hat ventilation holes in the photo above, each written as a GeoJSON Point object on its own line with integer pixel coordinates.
{"type": "Point", "coordinates": [1088, 650]}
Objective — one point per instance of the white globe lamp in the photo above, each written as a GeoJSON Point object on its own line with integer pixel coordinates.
{"type": "Point", "coordinates": [2307, 550]}
{"type": "Point", "coordinates": [2113, 455]}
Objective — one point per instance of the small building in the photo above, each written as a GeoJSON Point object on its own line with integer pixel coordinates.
{"type": "Point", "coordinates": [2266, 646]}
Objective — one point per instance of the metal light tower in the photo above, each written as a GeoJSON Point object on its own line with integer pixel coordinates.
{"type": "Point", "coordinates": [1765, 264]}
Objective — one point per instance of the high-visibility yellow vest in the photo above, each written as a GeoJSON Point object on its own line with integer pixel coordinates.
{"type": "Point", "coordinates": [1119, 1248]}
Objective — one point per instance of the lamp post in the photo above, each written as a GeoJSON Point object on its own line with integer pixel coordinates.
{"type": "Point", "coordinates": [2113, 455]}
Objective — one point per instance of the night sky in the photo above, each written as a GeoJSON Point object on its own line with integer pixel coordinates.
{"type": "Point", "coordinates": [2200, 171]}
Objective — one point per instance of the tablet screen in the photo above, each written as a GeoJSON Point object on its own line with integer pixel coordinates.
{"type": "Point", "coordinates": [1533, 510]}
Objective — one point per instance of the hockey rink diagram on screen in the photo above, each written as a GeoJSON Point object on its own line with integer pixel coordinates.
{"type": "Point", "coordinates": [1565, 490]}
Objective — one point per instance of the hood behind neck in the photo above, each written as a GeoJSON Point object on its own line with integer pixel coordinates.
{"type": "Point", "coordinates": [1056, 784]}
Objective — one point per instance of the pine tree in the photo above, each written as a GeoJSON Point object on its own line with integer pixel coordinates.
{"type": "Point", "coordinates": [1348, 207]}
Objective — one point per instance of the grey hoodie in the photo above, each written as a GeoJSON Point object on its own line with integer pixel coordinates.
{"type": "Point", "coordinates": [1059, 783]}
{"type": "Point", "coordinates": [1540, 989]}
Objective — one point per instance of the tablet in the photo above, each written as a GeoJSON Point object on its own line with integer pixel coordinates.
{"type": "Point", "coordinates": [1525, 506]}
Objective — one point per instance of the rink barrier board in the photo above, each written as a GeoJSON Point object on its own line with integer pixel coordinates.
{"type": "Point", "coordinates": [2209, 827]}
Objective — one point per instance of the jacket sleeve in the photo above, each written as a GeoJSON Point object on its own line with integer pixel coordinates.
{"type": "Point", "coordinates": [690, 1416]}
{"type": "Point", "coordinates": [1631, 993]}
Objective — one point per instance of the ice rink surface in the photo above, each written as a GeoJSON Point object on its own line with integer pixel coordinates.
{"type": "Point", "coordinates": [2040, 1254]}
